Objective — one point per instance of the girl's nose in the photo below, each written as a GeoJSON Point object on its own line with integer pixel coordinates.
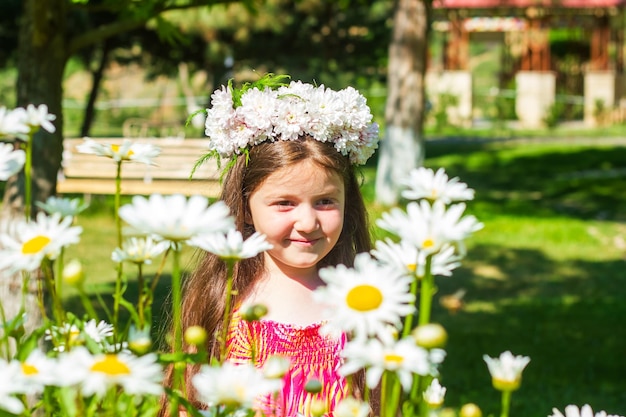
{"type": "Point", "coordinates": [306, 219]}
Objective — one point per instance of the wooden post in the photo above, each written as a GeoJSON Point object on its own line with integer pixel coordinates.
{"type": "Point", "coordinates": [600, 39]}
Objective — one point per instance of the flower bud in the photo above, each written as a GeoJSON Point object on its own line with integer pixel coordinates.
{"type": "Point", "coordinates": [276, 367]}
{"type": "Point", "coordinates": [254, 312]}
{"type": "Point", "coordinates": [470, 410]}
{"type": "Point", "coordinates": [447, 412]}
{"type": "Point", "coordinates": [318, 408]}
{"type": "Point", "coordinates": [313, 386]}
{"type": "Point", "coordinates": [430, 336]}
{"type": "Point", "coordinates": [506, 384]}
{"type": "Point", "coordinates": [195, 335]}
{"type": "Point", "coordinates": [73, 273]}
{"type": "Point", "coordinates": [139, 341]}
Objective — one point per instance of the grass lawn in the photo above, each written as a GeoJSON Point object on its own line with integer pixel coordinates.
{"type": "Point", "coordinates": [545, 278]}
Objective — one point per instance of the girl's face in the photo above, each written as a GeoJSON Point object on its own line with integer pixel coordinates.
{"type": "Point", "coordinates": [300, 210]}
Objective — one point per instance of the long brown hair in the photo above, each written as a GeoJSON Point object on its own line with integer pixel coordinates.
{"type": "Point", "coordinates": [203, 299]}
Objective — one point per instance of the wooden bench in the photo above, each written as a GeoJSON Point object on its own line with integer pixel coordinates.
{"type": "Point", "coordinates": [92, 174]}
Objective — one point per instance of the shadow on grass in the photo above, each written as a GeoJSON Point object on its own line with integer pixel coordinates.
{"type": "Point", "coordinates": [538, 178]}
{"type": "Point", "coordinates": [566, 316]}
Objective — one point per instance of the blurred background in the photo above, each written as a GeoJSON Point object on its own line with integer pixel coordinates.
{"type": "Point", "coordinates": [523, 100]}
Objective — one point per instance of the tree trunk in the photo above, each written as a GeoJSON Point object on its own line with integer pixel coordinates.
{"type": "Point", "coordinates": [41, 62]}
{"type": "Point", "coordinates": [96, 82]}
{"type": "Point", "coordinates": [402, 148]}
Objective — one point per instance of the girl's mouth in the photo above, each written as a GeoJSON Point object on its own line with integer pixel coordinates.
{"type": "Point", "coordinates": [305, 242]}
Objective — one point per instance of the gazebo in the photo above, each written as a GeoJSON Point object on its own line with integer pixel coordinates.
{"type": "Point", "coordinates": [530, 21]}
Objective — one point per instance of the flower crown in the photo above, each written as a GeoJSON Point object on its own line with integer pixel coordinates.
{"type": "Point", "coordinates": [271, 110]}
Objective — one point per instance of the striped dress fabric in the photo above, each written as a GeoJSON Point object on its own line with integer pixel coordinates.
{"type": "Point", "coordinates": [312, 356]}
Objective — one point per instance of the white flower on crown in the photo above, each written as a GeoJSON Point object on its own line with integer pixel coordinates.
{"type": "Point", "coordinates": [289, 112]}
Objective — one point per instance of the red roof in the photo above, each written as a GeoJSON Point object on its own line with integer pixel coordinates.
{"type": "Point", "coordinates": [480, 4]}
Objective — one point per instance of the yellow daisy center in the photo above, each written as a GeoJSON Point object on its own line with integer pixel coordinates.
{"type": "Point", "coordinates": [412, 267]}
{"type": "Point", "coordinates": [364, 298]}
{"type": "Point", "coordinates": [35, 245]}
{"type": "Point", "coordinates": [116, 149]}
{"type": "Point", "coordinates": [392, 358]}
{"type": "Point", "coordinates": [73, 335]}
{"type": "Point", "coordinates": [428, 243]}
{"type": "Point", "coordinates": [111, 365]}
{"type": "Point", "coordinates": [29, 369]}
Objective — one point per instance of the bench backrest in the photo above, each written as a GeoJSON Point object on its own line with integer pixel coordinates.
{"type": "Point", "coordinates": [84, 173]}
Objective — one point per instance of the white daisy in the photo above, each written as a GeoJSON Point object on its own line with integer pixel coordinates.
{"type": "Point", "coordinates": [428, 227]}
{"type": "Point", "coordinates": [506, 371]}
{"type": "Point", "coordinates": [365, 299]}
{"type": "Point", "coordinates": [95, 374]}
{"type": "Point", "coordinates": [257, 108]}
{"type": "Point", "coordinates": [38, 370]}
{"type": "Point", "coordinates": [231, 245]}
{"type": "Point", "coordinates": [98, 331]}
{"type": "Point", "coordinates": [13, 122]}
{"type": "Point", "coordinates": [584, 411]}
{"type": "Point", "coordinates": [410, 260]}
{"type": "Point", "coordinates": [434, 394]}
{"type": "Point", "coordinates": [176, 218]}
{"type": "Point", "coordinates": [62, 336]}
{"type": "Point", "coordinates": [64, 206]}
{"type": "Point", "coordinates": [31, 241]}
{"type": "Point", "coordinates": [425, 183]}
{"type": "Point", "coordinates": [11, 161]}
{"type": "Point", "coordinates": [403, 357]}
{"type": "Point", "coordinates": [10, 386]}
{"type": "Point", "coordinates": [39, 117]}
{"type": "Point", "coordinates": [139, 250]}
{"type": "Point", "coordinates": [127, 151]}
{"type": "Point", "coordinates": [232, 385]}
{"type": "Point", "coordinates": [351, 407]}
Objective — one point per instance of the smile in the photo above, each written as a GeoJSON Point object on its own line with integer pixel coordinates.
{"type": "Point", "coordinates": [306, 242]}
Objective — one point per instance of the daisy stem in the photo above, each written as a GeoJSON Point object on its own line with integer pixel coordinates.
{"type": "Point", "coordinates": [392, 394]}
{"type": "Point", "coordinates": [86, 302]}
{"type": "Point", "coordinates": [383, 396]}
{"type": "Point", "coordinates": [57, 307]}
{"type": "Point", "coordinates": [59, 274]}
{"type": "Point", "coordinates": [506, 403]}
{"type": "Point", "coordinates": [40, 300]}
{"type": "Point", "coordinates": [5, 335]}
{"type": "Point", "coordinates": [141, 298]}
{"type": "Point", "coordinates": [118, 226]}
{"type": "Point", "coordinates": [426, 293]}
{"type": "Point", "coordinates": [118, 193]}
{"type": "Point", "coordinates": [157, 276]}
{"type": "Point", "coordinates": [227, 309]}
{"type": "Point", "coordinates": [408, 322]}
{"type": "Point", "coordinates": [417, 394]}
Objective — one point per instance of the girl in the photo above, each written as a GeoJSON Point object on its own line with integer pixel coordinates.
{"type": "Point", "coordinates": [303, 194]}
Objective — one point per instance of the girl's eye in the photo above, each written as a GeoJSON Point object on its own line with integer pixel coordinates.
{"type": "Point", "coordinates": [327, 202]}
{"type": "Point", "coordinates": [283, 205]}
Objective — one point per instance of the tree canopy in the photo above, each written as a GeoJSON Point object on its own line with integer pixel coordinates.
{"type": "Point", "coordinates": [322, 40]}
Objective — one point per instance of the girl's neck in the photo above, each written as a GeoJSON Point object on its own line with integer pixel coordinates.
{"type": "Point", "coordinates": [288, 298]}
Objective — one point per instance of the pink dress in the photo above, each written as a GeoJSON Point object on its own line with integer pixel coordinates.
{"type": "Point", "coordinates": [312, 356]}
